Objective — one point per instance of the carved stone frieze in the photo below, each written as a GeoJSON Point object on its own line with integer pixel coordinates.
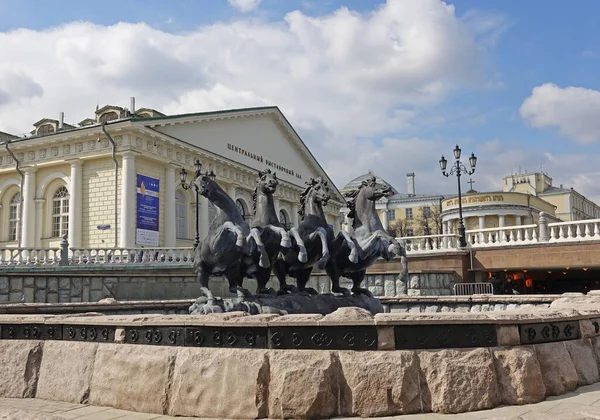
{"type": "Point", "coordinates": [139, 143]}
{"type": "Point", "coordinates": [66, 149]}
{"type": "Point", "coordinates": [54, 151]}
{"type": "Point", "coordinates": [31, 155]}
{"type": "Point", "coordinates": [79, 147]}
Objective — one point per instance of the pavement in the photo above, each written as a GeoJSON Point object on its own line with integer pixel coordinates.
{"type": "Point", "coordinates": [583, 404]}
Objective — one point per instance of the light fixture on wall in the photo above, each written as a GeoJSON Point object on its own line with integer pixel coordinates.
{"type": "Point", "coordinates": [186, 186]}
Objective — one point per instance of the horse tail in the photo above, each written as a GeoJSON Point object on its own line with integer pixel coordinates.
{"type": "Point", "coordinates": [404, 273]}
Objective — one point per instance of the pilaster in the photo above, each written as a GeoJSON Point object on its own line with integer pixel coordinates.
{"type": "Point", "coordinates": [170, 205]}
{"type": "Point", "coordinates": [28, 226]}
{"type": "Point", "coordinates": [75, 204]}
{"type": "Point", "coordinates": [128, 200]}
{"type": "Point", "coordinates": [39, 216]}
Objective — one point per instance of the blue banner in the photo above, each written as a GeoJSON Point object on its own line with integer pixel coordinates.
{"type": "Point", "coordinates": [147, 210]}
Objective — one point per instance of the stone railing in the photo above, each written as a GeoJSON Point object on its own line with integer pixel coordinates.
{"type": "Point", "coordinates": [580, 230]}
{"type": "Point", "coordinates": [447, 242]}
{"type": "Point", "coordinates": [30, 256]}
{"type": "Point", "coordinates": [506, 235]}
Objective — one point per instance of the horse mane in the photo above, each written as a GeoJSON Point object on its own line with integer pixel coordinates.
{"type": "Point", "coordinates": [351, 201]}
{"type": "Point", "coordinates": [254, 200]}
{"type": "Point", "coordinates": [303, 196]}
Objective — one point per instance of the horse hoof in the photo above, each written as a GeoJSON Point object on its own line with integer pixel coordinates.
{"type": "Point", "coordinates": [243, 293]}
{"type": "Point", "coordinates": [302, 257]}
{"type": "Point", "coordinates": [341, 291]}
{"type": "Point", "coordinates": [323, 262]}
{"type": "Point", "coordinates": [285, 242]}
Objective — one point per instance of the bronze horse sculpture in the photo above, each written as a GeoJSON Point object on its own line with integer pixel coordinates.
{"type": "Point", "coordinates": [371, 240]}
{"type": "Point", "coordinates": [317, 235]}
{"type": "Point", "coordinates": [228, 246]}
{"type": "Point", "coordinates": [272, 233]}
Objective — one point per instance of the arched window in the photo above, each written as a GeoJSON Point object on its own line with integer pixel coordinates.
{"type": "Point", "coordinates": [181, 214]}
{"type": "Point", "coordinates": [45, 129]}
{"type": "Point", "coordinates": [109, 116]}
{"type": "Point", "coordinates": [242, 208]}
{"type": "Point", "coordinates": [14, 225]}
{"type": "Point", "coordinates": [283, 219]}
{"type": "Point", "coordinates": [60, 212]}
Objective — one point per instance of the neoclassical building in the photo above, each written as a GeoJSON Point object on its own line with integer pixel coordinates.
{"type": "Point", "coordinates": [124, 190]}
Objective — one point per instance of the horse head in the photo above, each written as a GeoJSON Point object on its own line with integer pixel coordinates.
{"type": "Point", "coordinates": [373, 191]}
{"type": "Point", "coordinates": [317, 193]}
{"type": "Point", "coordinates": [267, 182]}
{"type": "Point", "coordinates": [207, 186]}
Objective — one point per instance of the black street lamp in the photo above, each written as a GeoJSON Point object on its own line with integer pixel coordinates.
{"type": "Point", "coordinates": [187, 186]}
{"type": "Point", "coordinates": [458, 168]}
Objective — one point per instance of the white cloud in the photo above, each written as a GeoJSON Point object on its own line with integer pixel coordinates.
{"type": "Point", "coordinates": [244, 6]}
{"type": "Point", "coordinates": [575, 111]}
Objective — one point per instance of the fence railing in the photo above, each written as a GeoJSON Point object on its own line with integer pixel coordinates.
{"type": "Point", "coordinates": [431, 243]}
{"type": "Point", "coordinates": [473, 289]}
{"type": "Point", "coordinates": [507, 235]}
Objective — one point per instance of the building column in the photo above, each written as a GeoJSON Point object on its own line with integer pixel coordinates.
{"type": "Point", "coordinates": [231, 190]}
{"type": "Point", "coordinates": [518, 221]}
{"type": "Point", "coordinates": [294, 214]}
{"type": "Point", "coordinates": [276, 203]}
{"type": "Point", "coordinates": [75, 204]}
{"type": "Point", "coordinates": [128, 200]}
{"type": "Point", "coordinates": [481, 226]}
{"type": "Point", "coordinates": [170, 205]}
{"type": "Point", "coordinates": [384, 218]}
{"type": "Point", "coordinates": [39, 216]}
{"type": "Point", "coordinates": [28, 226]}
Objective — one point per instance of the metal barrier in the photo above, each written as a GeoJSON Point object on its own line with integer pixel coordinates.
{"type": "Point", "coordinates": [473, 289]}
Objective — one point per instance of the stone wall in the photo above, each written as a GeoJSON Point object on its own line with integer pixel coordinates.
{"type": "Point", "coordinates": [195, 379]}
{"type": "Point", "coordinates": [82, 284]}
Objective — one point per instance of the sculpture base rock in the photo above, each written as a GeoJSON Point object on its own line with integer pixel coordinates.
{"type": "Point", "coordinates": [295, 303]}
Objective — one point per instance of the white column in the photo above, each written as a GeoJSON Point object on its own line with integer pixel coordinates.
{"type": "Point", "coordinates": [75, 204]}
{"type": "Point", "coordinates": [384, 218]}
{"type": "Point", "coordinates": [204, 222]}
{"type": "Point", "coordinates": [294, 214]}
{"type": "Point", "coordinates": [28, 226]}
{"type": "Point", "coordinates": [170, 217]}
{"type": "Point", "coordinates": [39, 216]}
{"type": "Point", "coordinates": [501, 233]}
{"type": "Point", "coordinates": [128, 200]}
{"type": "Point", "coordinates": [518, 221]}
{"type": "Point", "coordinates": [481, 226]}
{"type": "Point", "coordinates": [501, 220]}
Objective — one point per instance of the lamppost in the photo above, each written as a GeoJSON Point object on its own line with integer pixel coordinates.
{"type": "Point", "coordinates": [458, 168]}
{"type": "Point", "coordinates": [187, 186]}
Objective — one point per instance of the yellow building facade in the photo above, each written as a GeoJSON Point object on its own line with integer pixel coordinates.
{"type": "Point", "coordinates": [79, 182]}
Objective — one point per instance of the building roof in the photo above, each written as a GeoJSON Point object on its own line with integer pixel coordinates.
{"type": "Point", "coordinates": [555, 190]}
{"type": "Point", "coordinates": [356, 182]}
{"type": "Point", "coordinates": [7, 136]}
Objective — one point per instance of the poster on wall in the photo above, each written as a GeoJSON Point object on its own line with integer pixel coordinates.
{"type": "Point", "coordinates": [147, 211]}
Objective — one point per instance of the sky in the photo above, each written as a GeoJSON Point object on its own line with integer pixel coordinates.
{"type": "Point", "coordinates": [387, 86]}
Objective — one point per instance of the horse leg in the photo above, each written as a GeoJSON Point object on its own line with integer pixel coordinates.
{"type": "Point", "coordinates": [286, 242]}
{"type": "Point", "coordinates": [235, 279]}
{"type": "Point", "coordinates": [203, 276]}
{"type": "Point", "coordinates": [302, 254]}
{"type": "Point", "coordinates": [264, 258]}
{"type": "Point", "coordinates": [238, 232]}
{"type": "Point", "coordinates": [353, 257]}
{"type": "Point", "coordinates": [334, 274]}
{"type": "Point", "coordinates": [302, 278]}
{"type": "Point", "coordinates": [325, 248]}
{"type": "Point", "coordinates": [357, 278]}
{"type": "Point", "coordinates": [280, 267]}
{"type": "Point", "coordinates": [404, 273]}
{"type": "Point", "coordinates": [263, 276]}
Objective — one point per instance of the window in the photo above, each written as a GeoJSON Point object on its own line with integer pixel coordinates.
{"type": "Point", "coordinates": [409, 214]}
{"type": "Point", "coordinates": [109, 116]}
{"type": "Point", "coordinates": [410, 232]}
{"type": "Point", "coordinates": [181, 214]}
{"type": "Point", "coordinates": [60, 212]}
{"type": "Point", "coordinates": [426, 212]}
{"type": "Point", "coordinates": [392, 215]}
{"type": "Point", "coordinates": [242, 208]}
{"type": "Point", "coordinates": [14, 227]}
{"type": "Point", "coordinates": [283, 218]}
{"type": "Point", "coordinates": [45, 129]}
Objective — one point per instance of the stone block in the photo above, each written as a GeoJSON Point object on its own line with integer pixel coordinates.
{"type": "Point", "coordinates": [304, 384]}
{"type": "Point", "coordinates": [432, 308]}
{"type": "Point", "coordinates": [454, 381]}
{"type": "Point", "coordinates": [28, 282]}
{"type": "Point", "coordinates": [4, 285]}
{"type": "Point", "coordinates": [28, 294]}
{"type": "Point", "coordinates": [15, 297]}
{"type": "Point", "coordinates": [378, 280]}
{"type": "Point", "coordinates": [66, 371]}
{"type": "Point", "coordinates": [177, 279]}
{"type": "Point", "coordinates": [130, 377]}
{"type": "Point", "coordinates": [19, 367]}
{"type": "Point", "coordinates": [96, 284]}
{"type": "Point", "coordinates": [220, 383]}
{"type": "Point", "coordinates": [40, 283]}
{"type": "Point", "coordinates": [40, 296]}
{"type": "Point", "coordinates": [463, 307]}
{"type": "Point", "coordinates": [76, 286]}
{"type": "Point", "coordinates": [110, 280]}
{"type": "Point", "coordinates": [558, 370]}
{"type": "Point", "coordinates": [519, 375]}
{"type": "Point", "coordinates": [187, 279]}
{"type": "Point", "coordinates": [584, 360]}
{"type": "Point", "coordinates": [64, 296]}
{"type": "Point", "coordinates": [3, 298]}
{"type": "Point", "coordinates": [379, 383]}
{"type": "Point", "coordinates": [96, 295]}
{"type": "Point", "coordinates": [414, 282]}
{"type": "Point", "coordinates": [377, 290]}
{"type": "Point", "coordinates": [52, 285]}
{"type": "Point", "coordinates": [401, 287]}
{"type": "Point", "coordinates": [476, 308]}
{"type": "Point", "coordinates": [587, 328]}
{"type": "Point", "coordinates": [398, 307]}
{"type": "Point", "coordinates": [16, 284]}
{"type": "Point", "coordinates": [64, 284]}
{"type": "Point", "coordinates": [52, 297]}
{"type": "Point", "coordinates": [85, 293]}
{"type": "Point", "coordinates": [389, 288]}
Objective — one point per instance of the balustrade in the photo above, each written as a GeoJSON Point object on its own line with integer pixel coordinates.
{"type": "Point", "coordinates": [578, 230]}
{"type": "Point", "coordinates": [500, 236]}
{"type": "Point", "coordinates": [431, 243]}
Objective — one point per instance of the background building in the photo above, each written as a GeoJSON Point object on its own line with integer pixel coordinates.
{"type": "Point", "coordinates": [76, 182]}
{"type": "Point", "coordinates": [402, 214]}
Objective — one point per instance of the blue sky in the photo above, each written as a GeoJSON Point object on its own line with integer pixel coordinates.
{"type": "Point", "coordinates": [509, 49]}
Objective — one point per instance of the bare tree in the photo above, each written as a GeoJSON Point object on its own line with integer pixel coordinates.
{"type": "Point", "coordinates": [429, 221]}
{"type": "Point", "coordinates": [398, 228]}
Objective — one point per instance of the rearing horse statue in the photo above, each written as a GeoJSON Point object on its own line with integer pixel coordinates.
{"type": "Point", "coordinates": [272, 233]}
{"type": "Point", "coordinates": [317, 236]}
{"type": "Point", "coordinates": [372, 241]}
{"type": "Point", "coordinates": [225, 251]}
